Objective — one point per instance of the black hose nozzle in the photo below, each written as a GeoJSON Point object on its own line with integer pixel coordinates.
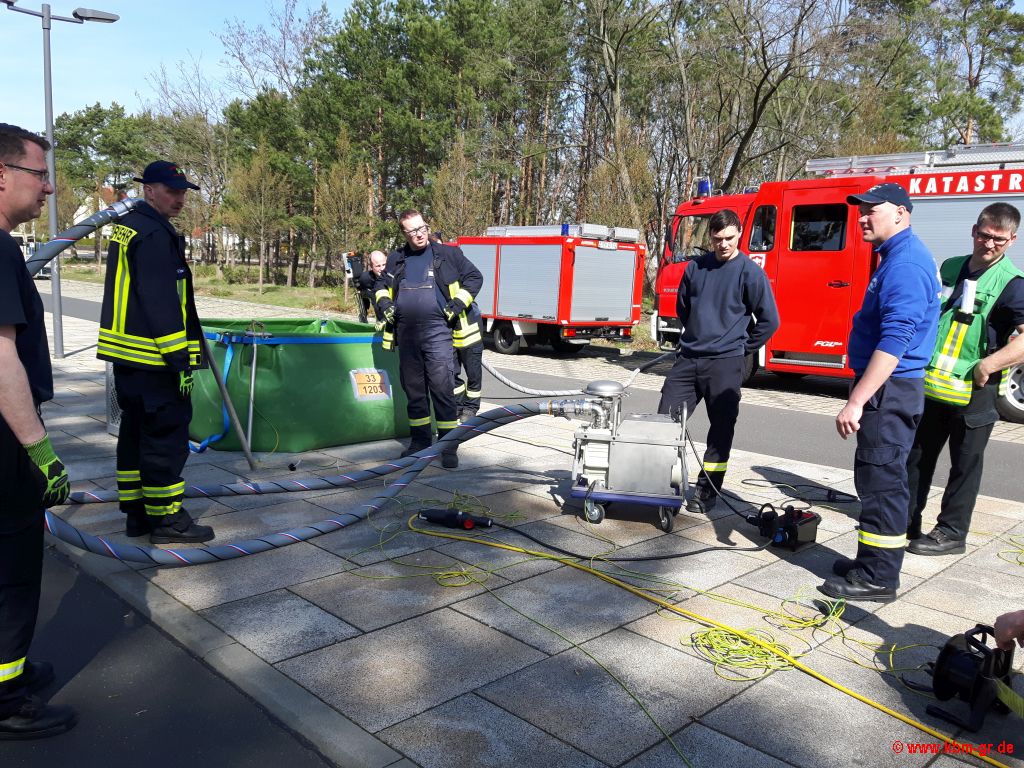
{"type": "Point", "coordinates": [454, 518]}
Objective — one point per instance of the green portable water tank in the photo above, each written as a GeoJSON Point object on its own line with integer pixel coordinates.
{"type": "Point", "coordinates": [319, 383]}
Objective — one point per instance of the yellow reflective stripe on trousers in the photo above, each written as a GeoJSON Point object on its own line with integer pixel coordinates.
{"type": "Point", "coordinates": [419, 422]}
{"type": "Point", "coordinates": [882, 541]}
{"type": "Point", "coordinates": [447, 424]}
{"type": "Point", "coordinates": [459, 390]}
{"type": "Point", "coordinates": [164, 491]}
{"type": "Point", "coordinates": [162, 510]}
{"type": "Point", "coordinates": [11, 670]}
{"type": "Point", "coordinates": [712, 466]}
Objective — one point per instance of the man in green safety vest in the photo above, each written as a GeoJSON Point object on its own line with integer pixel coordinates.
{"type": "Point", "coordinates": [983, 304]}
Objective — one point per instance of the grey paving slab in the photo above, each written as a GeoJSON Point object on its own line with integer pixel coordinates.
{"type": "Point", "coordinates": [254, 522]}
{"type": "Point", "coordinates": [385, 677]}
{"type": "Point", "coordinates": [682, 564]}
{"type": "Point", "coordinates": [337, 738]}
{"type": "Point", "coordinates": [203, 586]}
{"type": "Point", "coordinates": [624, 524]}
{"type": "Point", "coordinates": [733, 531]}
{"type": "Point", "coordinates": [575, 604]}
{"type": "Point", "coordinates": [278, 625]}
{"type": "Point", "coordinates": [971, 594]}
{"type": "Point", "coordinates": [832, 729]}
{"type": "Point", "coordinates": [703, 748]}
{"type": "Point", "coordinates": [388, 592]}
{"type": "Point", "coordinates": [469, 732]}
{"type": "Point", "coordinates": [737, 607]}
{"type": "Point", "coordinates": [1001, 555]}
{"type": "Point", "coordinates": [510, 565]}
{"type": "Point", "coordinates": [517, 507]}
{"type": "Point", "coordinates": [558, 694]}
{"type": "Point", "coordinates": [809, 567]}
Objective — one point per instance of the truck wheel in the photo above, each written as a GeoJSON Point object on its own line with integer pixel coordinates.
{"type": "Point", "coordinates": [1011, 405]}
{"type": "Point", "coordinates": [505, 339]}
{"type": "Point", "coordinates": [749, 367]}
{"type": "Point", "coordinates": [563, 347]}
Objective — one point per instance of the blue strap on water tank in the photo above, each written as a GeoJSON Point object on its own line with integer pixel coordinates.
{"type": "Point", "coordinates": [228, 357]}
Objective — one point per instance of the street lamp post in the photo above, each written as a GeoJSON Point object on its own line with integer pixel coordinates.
{"type": "Point", "coordinates": [79, 16]}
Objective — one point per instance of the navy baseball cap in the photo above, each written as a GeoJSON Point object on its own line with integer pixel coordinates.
{"type": "Point", "coordinates": [168, 174]}
{"type": "Point", "coordinates": [883, 193]}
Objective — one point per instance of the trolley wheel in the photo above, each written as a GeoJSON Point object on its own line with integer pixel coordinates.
{"type": "Point", "coordinates": [666, 517]}
{"type": "Point", "coordinates": [593, 511]}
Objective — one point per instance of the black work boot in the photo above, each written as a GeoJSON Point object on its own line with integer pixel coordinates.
{"type": "Point", "coordinates": [450, 460]}
{"type": "Point", "coordinates": [704, 499]}
{"type": "Point", "coordinates": [35, 720]}
{"type": "Point", "coordinates": [414, 447]}
{"type": "Point", "coordinates": [179, 528]}
{"type": "Point", "coordinates": [136, 523]}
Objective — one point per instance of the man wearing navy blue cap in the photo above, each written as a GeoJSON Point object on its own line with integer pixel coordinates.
{"type": "Point", "coordinates": [150, 331]}
{"type": "Point", "coordinates": [890, 344]}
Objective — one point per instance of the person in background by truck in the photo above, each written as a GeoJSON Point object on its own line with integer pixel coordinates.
{"type": "Point", "coordinates": [423, 295]}
{"type": "Point", "coordinates": [365, 282]}
{"type": "Point", "coordinates": [727, 310]}
{"type": "Point", "coordinates": [890, 343]}
{"type": "Point", "coordinates": [962, 380]}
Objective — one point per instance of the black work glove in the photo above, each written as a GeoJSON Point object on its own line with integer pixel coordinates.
{"type": "Point", "coordinates": [389, 315]}
{"type": "Point", "coordinates": [58, 484]}
{"type": "Point", "coordinates": [453, 309]}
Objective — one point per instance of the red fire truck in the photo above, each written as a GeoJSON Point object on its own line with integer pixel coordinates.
{"type": "Point", "coordinates": [805, 236]}
{"type": "Point", "coordinates": [561, 285]}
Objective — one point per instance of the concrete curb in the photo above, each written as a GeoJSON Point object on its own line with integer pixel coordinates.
{"type": "Point", "coordinates": [337, 738]}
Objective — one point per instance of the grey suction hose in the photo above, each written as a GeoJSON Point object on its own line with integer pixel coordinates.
{"type": "Point", "coordinates": [49, 250]}
{"type": "Point", "coordinates": [569, 392]}
{"type": "Point", "coordinates": [412, 465]}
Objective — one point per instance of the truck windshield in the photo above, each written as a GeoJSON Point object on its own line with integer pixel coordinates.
{"type": "Point", "coordinates": [692, 238]}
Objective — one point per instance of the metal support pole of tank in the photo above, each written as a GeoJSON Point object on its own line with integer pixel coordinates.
{"type": "Point", "coordinates": [256, 331]}
{"type": "Point", "coordinates": [239, 433]}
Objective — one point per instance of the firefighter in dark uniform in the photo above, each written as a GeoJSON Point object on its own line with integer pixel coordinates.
{"type": "Point", "coordinates": [469, 357]}
{"type": "Point", "coordinates": [965, 377]}
{"type": "Point", "coordinates": [150, 331]}
{"type": "Point", "coordinates": [728, 312]}
{"type": "Point", "coordinates": [424, 295]}
{"type": "Point", "coordinates": [365, 283]}
{"type": "Point", "coordinates": [891, 342]}
{"type": "Point", "coordinates": [31, 475]}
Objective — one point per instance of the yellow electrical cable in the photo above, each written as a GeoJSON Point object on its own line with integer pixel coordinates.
{"type": "Point", "coordinates": [749, 638]}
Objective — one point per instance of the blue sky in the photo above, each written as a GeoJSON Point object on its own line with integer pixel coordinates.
{"type": "Point", "coordinates": [114, 62]}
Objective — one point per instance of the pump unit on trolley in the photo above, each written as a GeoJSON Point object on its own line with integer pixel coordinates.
{"type": "Point", "coordinates": [639, 459]}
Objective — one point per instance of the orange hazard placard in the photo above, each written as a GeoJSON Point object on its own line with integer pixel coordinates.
{"type": "Point", "coordinates": [370, 384]}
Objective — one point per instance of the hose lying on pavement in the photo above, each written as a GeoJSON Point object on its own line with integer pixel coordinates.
{"type": "Point", "coordinates": [412, 465]}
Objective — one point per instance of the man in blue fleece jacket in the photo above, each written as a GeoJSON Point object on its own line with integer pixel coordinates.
{"type": "Point", "coordinates": [727, 310]}
{"type": "Point", "coordinates": [890, 343]}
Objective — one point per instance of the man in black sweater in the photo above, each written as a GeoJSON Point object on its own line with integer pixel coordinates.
{"type": "Point", "coordinates": [727, 310]}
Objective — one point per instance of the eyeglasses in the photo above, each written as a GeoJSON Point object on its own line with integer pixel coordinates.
{"type": "Point", "coordinates": [43, 175]}
{"type": "Point", "coordinates": [418, 231]}
{"type": "Point", "coordinates": [984, 237]}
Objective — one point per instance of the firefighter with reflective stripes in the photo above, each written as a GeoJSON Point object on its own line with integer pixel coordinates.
{"type": "Point", "coordinates": [727, 310]}
{"type": "Point", "coordinates": [150, 331]}
{"type": "Point", "coordinates": [423, 296]}
{"type": "Point", "coordinates": [469, 357]}
{"type": "Point", "coordinates": [890, 344]}
{"type": "Point", "coordinates": [983, 305]}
